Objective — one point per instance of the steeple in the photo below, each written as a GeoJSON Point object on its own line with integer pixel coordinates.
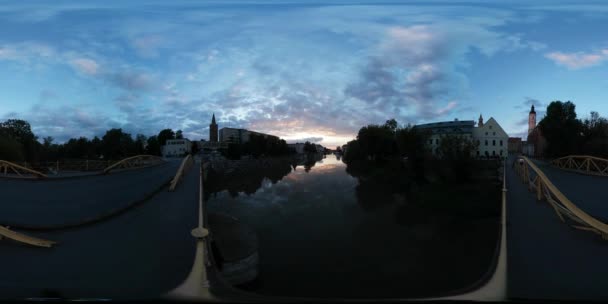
{"type": "Point", "coordinates": [213, 130]}
{"type": "Point", "coordinates": [531, 120]}
{"type": "Point", "coordinates": [480, 123]}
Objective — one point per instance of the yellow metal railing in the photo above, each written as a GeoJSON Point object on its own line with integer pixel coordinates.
{"type": "Point", "coordinates": [187, 162]}
{"type": "Point", "coordinates": [583, 163]}
{"type": "Point", "coordinates": [138, 161]}
{"type": "Point", "coordinates": [563, 207]}
{"type": "Point", "coordinates": [22, 238]}
{"type": "Point", "coordinates": [11, 169]}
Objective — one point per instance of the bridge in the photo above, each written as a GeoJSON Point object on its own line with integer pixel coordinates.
{"type": "Point", "coordinates": [100, 233]}
{"type": "Point", "coordinates": [549, 258]}
{"type": "Point", "coordinates": [92, 236]}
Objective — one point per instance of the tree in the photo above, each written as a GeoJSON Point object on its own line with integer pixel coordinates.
{"type": "Point", "coordinates": [140, 144]}
{"type": "Point", "coordinates": [116, 144]}
{"type": "Point", "coordinates": [153, 146]}
{"type": "Point", "coordinates": [10, 149]}
{"type": "Point", "coordinates": [20, 131]}
{"type": "Point", "coordinates": [391, 124]}
{"type": "Point", "coordinates": [179, 134]}
{"type": "Point", "coordinates": [309, 148]}
{"type": "Point", "coordinates": [561, 129]}
{"type": "Point", "coordinates": [456, 148]}
{"type": "Point", "coordinates": [595, 136]}
{"type": "Point", "coordinates": [164, 135]}
{"type": "Point", "coordinates": [377, 141]}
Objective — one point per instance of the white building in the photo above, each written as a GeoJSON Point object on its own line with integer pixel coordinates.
{"type": "Point", "coordinates": [492, 139]}
{"type": "Point", "coordinates": [176, 147]}
{"type": "Point", "coordinates": [440, 129]}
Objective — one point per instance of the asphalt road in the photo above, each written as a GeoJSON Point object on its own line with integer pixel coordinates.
{"type": "Point", "coordinates": [143, 253]}
{"type": "Point", "coordinates": [66, 201]}
{"type": "Point", "coordinates": [547, 259]}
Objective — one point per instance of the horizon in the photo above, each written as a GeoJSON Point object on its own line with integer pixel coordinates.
{"type": "Point", "coordinates": [300, 71]}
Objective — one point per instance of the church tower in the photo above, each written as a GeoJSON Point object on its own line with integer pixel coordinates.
{"type": "Point", "coordinates": [213, 130]}
{"type": "Point", "coordinates": [531, 120]}
{"type": "Point", "coordinates": [480, 123]}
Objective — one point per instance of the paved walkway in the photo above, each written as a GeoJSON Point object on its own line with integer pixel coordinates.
{"type": "Point", "coordinates": [548, 259]}
{"type": "Point", "coordinates": [139, 254]}
{"type": "Point", "coordinates": [65, 201]}
{"type": "Point", "coordinates": [588, 192]}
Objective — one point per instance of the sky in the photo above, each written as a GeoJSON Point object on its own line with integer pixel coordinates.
{"type": "Point", "coordinates": [300, 70]}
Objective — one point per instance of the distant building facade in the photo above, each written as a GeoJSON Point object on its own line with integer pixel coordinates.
{"type": "Point", "coordinates": [515, 145]}
{"type": "Point", "coordinates": [176, 147]}
{"type": "Point", "coordinates": [490, 137]}
{"type": "Point", "coordinates": [443, 128]}
{"type": "Point", "coordinates": [239, 136]}
{"type": "Point", "coordinates": [536, 142]}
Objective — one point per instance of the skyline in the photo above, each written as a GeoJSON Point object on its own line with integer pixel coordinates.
{"type": "Point", "coordinates": [298, 71]}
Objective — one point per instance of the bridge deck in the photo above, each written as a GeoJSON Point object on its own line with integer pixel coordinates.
{"type": "Point", "coordinates": [139, 254]}
{"type": "Point", "coordinates": [588, 192]}
{"type": "Point", "coordinates": [66, 201]}
{"type": "Point", "coordinates": [548, 259]}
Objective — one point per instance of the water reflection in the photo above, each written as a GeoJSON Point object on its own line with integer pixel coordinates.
{"type": "Point", "coordinates": [333, 231]}
{"type": "Point", "coordinates": [249, 176]}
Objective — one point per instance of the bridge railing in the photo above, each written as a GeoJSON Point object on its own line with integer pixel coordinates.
{"type": "Point", "coordinates": [537, 181]}
{"type": "Point", "coordinates": [187, 162]}
{"type": "Point", "coordinates": [583, 164]}
{"type": "Point", "coordinates": [10, 169]}
{"type": "Point", "coordinates": [138, 161]}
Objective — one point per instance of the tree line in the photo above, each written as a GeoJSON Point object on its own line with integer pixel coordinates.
{"type": "Point", "coordinates": [19, 143]}
{"type": "Point", "coordinates": [566, 134]}
{"type": "Point", "coordinates": [380, 142]}
{"type": "Point", "coordinates": [257, 146]}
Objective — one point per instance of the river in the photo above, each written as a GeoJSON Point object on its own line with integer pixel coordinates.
{"type": "Point", "coordinates": [317, 238]}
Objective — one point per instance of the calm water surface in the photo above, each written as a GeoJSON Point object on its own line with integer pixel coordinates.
{"type": "Point", "coordinates": [317, 240]}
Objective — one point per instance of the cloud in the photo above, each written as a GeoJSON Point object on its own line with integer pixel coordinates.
{"type": "Point", "coordinates": [65, 122]}
{"type": "Point", "coordinates": [46, 95]}
{"type": "Point", "coordinates": [85, 65]}
{"type": "Point", "coordinates": [147, 46]}
{"type": "Point", "coordinates": [448, 108]}
{"type": "Point", "coordinates": [130, 80]}
{"type": "Point", "coordinates": [409, 75]}
{"type": "Point", "coordinates": [349, 66]}
{"type": "Point", "coordinates": [529, 102]}
{"type": "Point", "coordinates": [578, 60]}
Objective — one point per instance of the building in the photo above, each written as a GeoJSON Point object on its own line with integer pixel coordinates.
{"type": "Point", "coordinates": [443, 128]}
{"type": "Point", "coordinates": [515, 145]}
{"type": "Point", "coordinates": [531, 120]}
{"type": "Point", "coordinates": [492, 140]}
{"type": "Point", "coordinates": [239, 136]}
{"type": "Point", "coordinates": [209, 145]}
{"type": "Point", "coordinates": [490, 137]}
{"type": "Point", "coordinates": [213, 130]}
{"type": "Point", "coordinates": [176, 147]}
{"type": "Point", "coordinates": [536, 142]}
